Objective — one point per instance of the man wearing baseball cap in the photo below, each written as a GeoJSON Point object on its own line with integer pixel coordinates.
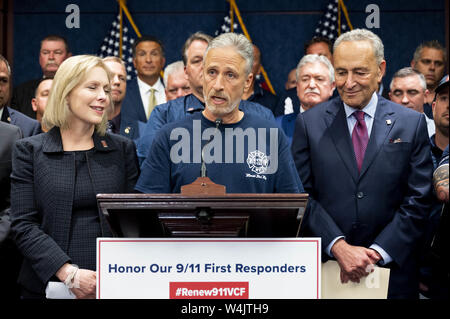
{"type": "Point", "coordinates": [435, 272]}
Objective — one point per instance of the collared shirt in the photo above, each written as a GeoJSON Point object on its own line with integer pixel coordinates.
{"type": "Point", "coordinates": [1, 112]}
{"type": "Point", "coordinates": [369, 114]}
{"type": "Point", "coordinates": [302, 109]}
{"type": "Point", "coordinates": [145, 89]}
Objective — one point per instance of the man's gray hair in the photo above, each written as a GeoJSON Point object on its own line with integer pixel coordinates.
{"type": "Point", "coordinates": [363, 35]}
{"type": "Point", "coordinates": [407, 72]}
{"type": "Point", "coordinates": [315, 58]}
{"type": "Point", "coordinates": [171, 69]}
{"type": "Point", "coordinates": [242, 45]}
{"type": "Point", "coordinates": [3, 59]}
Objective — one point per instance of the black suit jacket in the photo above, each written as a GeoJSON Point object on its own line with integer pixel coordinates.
{"type": "Point", "coordinates": [22, 96]}
{"type": "Point", "coordinates": [387, 203]}
{"type": "Point", "coordinates": [132, 111]}
{"type": "Point", "coordinates": [42, 188]}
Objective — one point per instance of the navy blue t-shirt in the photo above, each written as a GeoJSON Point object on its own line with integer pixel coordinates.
{"type": "Point", "coordinates": [251, 156]}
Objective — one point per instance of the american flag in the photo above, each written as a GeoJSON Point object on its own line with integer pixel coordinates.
{"type": "Point", "coordinates": [226, 26]}
{"type": "Point", "coordinates": [111, 43]}
{"type": "Point", "coordinates": [328, 24]}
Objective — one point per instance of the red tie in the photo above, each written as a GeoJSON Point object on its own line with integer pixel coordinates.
{"type": "Point", "coordinates": [360, 138]}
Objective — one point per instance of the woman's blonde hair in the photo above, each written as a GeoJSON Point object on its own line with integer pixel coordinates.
{"type": "Point", "coordinates": [69, 75]}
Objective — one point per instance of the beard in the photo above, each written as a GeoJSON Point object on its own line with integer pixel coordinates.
{"type": "Point", "coordinates": [221, 110]}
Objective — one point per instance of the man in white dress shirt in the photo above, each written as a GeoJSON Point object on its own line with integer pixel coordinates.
{"type": "Point", "coordinates": [147, 90]}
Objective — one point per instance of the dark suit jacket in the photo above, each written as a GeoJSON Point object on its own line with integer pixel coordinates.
{"type": "Point", "coordinates": [42, 188]}
{"type": "Point", "coordinates": [132, 111]}
{"type": "Point", "coordinates": [22, 95]}
{"type": "Point", "coordinates": [287, 123]}
{"type": "Point", "coordinates": [9, 134]}
{"type": "Point", "coordinates": [27, 125]}
{"type": "Point", "coordinates": [387, 203]}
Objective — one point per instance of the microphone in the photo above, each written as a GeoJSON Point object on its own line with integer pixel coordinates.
{"type": "Point", "coordinates": [203, 167]}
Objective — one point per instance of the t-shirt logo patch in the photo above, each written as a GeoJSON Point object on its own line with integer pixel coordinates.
{"type": "Point", "coordinates": [258, 162]}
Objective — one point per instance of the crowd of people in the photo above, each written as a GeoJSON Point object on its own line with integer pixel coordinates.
{"type": "Point", "coordinates": [373, 160]}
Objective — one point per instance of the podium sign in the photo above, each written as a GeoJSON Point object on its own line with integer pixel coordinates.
{"type": "Point", "coordinates": [213, 268]}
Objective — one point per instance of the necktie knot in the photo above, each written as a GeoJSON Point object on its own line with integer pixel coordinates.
{"type": "Point", "coordinates": [359, 115]}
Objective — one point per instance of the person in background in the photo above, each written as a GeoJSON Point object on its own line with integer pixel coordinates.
{"type": "Point", "coordinates": [145, 91]}
{"type": "Point", "coordinates": [429, 59]}
{"type": "Point", "coordinates": [408, 88]}
{"type": "Point", "coordinates": [118, 91]}
{"type": "Point", "coordinates": [55, 177]}
{"type": "Point", "coordinates": [315, 84]}
{"type": "Point", "coordinates": [256, 93]}
{"type": "Point", "coordinates": [288, 102]}
{"type": "Point", "coordinates": [175, 81]}
{"type": "Point", "coordinates": [54, 50]}
{"type": "Point", "coordinates": [435, 272]}
{"type": "Point", "coordinates": [39, 102]}
{"type": "Point", "coordinates": [27, 125]}
{"type": "Point", "coordinates": [291, 81]}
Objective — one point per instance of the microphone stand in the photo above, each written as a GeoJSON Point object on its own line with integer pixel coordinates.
{"type": "Point", "coordinates": [203, 184]}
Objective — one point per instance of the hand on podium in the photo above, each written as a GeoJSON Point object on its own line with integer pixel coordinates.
{"type": "Point", "coordinates": [354, 261]}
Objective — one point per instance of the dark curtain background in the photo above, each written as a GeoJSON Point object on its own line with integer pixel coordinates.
{"type": "Point", "coordinates": [280, 28]}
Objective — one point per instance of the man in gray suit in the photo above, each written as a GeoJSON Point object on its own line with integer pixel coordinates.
{"type": "Point", "coordinates": [28, 126]}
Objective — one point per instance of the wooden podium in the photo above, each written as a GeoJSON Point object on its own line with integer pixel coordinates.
{"type": "Point", "coordinates": [203, 215]}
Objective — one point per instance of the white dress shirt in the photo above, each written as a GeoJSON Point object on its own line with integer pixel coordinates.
{"type": "Point", "coordinates": [369, 115]}
{"type": "Point", "coordinates": [145, 90]}
{"type": "Point", "coordinates": [431, 127]}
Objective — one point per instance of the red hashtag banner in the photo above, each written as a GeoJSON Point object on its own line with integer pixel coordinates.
{"type": "Point", "coordinates": [208, 290]}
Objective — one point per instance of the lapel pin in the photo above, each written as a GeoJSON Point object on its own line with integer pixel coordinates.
{"type": "Point", "coordinates": [127, 130]}
{"type": "Point", "coordinates": [105, 145]}
{"type": "Point", "coordinates": [388, 122]}
{"type": "Point", "coordinates": [8, 119]}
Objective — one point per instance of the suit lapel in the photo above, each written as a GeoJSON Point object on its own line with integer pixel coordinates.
{"type": "Point", "coordinates": [383, 122]}
{"type": "Point", "coordinates": [337, 123]}
{"type": "Point", "coordinates": [137, 101]}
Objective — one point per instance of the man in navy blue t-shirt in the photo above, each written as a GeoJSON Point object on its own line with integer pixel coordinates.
{"type": "Point", "coordinates": [183, 107]}
{"type": "Point", "coordinates": [243, 151]}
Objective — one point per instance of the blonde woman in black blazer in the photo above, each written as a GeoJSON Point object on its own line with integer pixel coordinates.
{"type": "Point", "coordinates": [56, 176]}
